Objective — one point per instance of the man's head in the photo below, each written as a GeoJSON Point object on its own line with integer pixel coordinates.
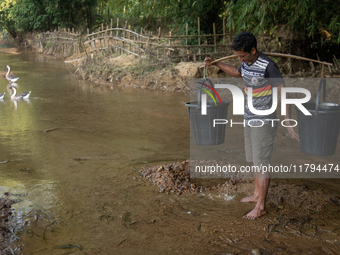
{"type": "Point", "coordinates": [244, 41]}
{"type": "Point", "coordinates": [245, 46]}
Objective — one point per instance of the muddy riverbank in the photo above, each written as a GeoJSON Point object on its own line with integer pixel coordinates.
{"type": "Point", "coordinates": [111, 69]}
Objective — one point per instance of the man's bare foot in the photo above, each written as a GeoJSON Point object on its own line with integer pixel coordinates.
{"type": "Point", "coordinates": [252, 198]}
{"type": "Point", "coordinates": [255, 213]}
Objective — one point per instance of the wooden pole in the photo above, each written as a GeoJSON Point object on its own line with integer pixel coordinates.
{"type": "Point", "coordinates": [98, 36]}
{"type": "Point", "coordinates": [169, 43]}
{"type": "Point", "coordinates": [159, 35]}
{"type": "Point", "coordinates": [117, 27]}
{"type": "Point", "coordinates": [87, 38]}
{"type": "Point", "coordinates": [106, 35]}
{"type": "Point", "coordinates": [129, 38]}
{"type": "Point", "coordinates": [273, 54]}
{"type": "Point", "coordinates": [224, 41]}
{"type": "Point", "coordinates": [186, 39]}
{"type": "Point", "coordinates": [111, 26]}
{"type": "Point", "coordinates": [199, 39]}
{"type": "Point", "coordinates": [214, 29]}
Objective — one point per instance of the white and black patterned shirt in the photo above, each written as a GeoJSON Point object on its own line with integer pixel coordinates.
{"type": "Point", "coordinates": [261, 76]}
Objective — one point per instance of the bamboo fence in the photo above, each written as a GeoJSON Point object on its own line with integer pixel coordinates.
{"type": "Point", "coordinates": [146, 44]}
{"type": "Point", "coordinates": [67, 40]}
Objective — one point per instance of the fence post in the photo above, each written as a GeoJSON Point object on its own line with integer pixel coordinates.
{"type": "Point", "coordinates": [111, 26]}
{"type": "Point", "coordinates": [141, 38]}
{"type": "Point", "coordinates": [106, 36]}
{"type": "Point", "coordinates": [87, 37]}
{"type": "Point", "coordinates": [125, 26]}
{"type": "Point", "coordinates": [117, 27]}
{"type": "Point", "coordinates": [214, 28]}
{"type": "Point", "coordinates": [186, 39]}
{"type": "Point", "coordinates": [159, 40]}
{"type": "Point", "coordinates": [169, 44]}
{"type": "Point", "coordinates": [224, 41]}
{"type": "Point", "coordinates": [129, 37]}
{"type": "Point", "coordinates": [199, 39]}
{"type": "Point", "coordinates": [100, 41]}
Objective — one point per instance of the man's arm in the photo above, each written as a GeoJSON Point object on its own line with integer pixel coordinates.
{"type": "Point", "coordinates": [231, 70]}
{"type": "Point", "coordinates": [290, 130]}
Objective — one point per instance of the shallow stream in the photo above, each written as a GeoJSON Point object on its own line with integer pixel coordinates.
{"type": "Point", "coordinates": [71, 156]}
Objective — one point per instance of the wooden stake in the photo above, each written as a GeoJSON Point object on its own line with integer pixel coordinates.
{"type": "Point", "coordinates": [224, 41]}
{"type": "Point", "coordinates": [186, 39]}
{"type": "Point", "coordinates": [214, 29]}
{"type": "Point", "coordinates": [111, 26]}
{"type": "Point", "coordinates": [199, 39]}
{"type": "Point", "coordinates": [117, 27]}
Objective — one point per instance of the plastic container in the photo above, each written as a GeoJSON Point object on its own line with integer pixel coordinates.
{"type": "Point", "coordinates": [202, 129]}
{"type": "Point", "coordinates": [319, 132]}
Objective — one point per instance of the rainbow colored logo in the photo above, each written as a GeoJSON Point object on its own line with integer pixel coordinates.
{"type": "Point", "coordinates": [213, 90]}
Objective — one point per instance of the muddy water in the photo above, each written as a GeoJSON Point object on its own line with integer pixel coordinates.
{"type": "Point", "coordinates": [87, 164]}
{"type": "Point", "coordinates": [78, 184]}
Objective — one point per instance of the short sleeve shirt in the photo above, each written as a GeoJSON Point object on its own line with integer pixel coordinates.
{"type": "Point", "coordinates": [262, 75]}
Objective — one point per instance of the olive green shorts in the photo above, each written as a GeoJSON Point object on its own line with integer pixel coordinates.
{"type": "Point", "coordinates": [258, 143]}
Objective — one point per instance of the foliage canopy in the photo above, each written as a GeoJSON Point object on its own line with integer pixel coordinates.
{"type": "Point", "coordinates": [319, 20]}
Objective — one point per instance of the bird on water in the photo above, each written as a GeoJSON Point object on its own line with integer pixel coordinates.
{"type": "Point", "coordinates": [24, 95]}
{"type": "Point", "coordinates": [10, 77]}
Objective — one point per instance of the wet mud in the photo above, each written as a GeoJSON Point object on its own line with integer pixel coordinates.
{"type": "Point", "coordinates": [300, 219]}
{"type": "Point", "coordinates": [7, 226]}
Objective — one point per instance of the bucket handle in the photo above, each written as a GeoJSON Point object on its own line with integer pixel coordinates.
{"type": "Point", "coordinates": [322, 82]}
{"type": "Point", "coordinates": [200, 90]}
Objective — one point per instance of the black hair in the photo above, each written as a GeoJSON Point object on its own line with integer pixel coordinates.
{"type": "Point", "coordinates": [244, 41]}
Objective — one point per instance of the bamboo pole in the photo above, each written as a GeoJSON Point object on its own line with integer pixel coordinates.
{"type": "Point", "coordinates": [107, 36]}
{"type": "Point", "coordinates": [159, 36]}
{"type": "Point", "coordinates": [273, 54]}
{"type": "Point", "coordinates": [125, 26]}
{"type": "Point", "coordinates": [214, 29]}
{"type": "Point", "coordinates": [100, 40]}
{"type": "Point", "coordinates": [169, 43]}
{"type": "Point", "coordinates": [111, 26]}
{"type": "Point", "coordinates": [129, 38]}
{"type": "Point", "coordinates": [186, 39]}
{"type": "Point", "coordinates": [199, 38]}
{"type": "Point", "coordinates": [117, 27]}
{"type": "Point", "coordinates": [88, 31]}
{"type": "Point", "coordinates": [224, 41]}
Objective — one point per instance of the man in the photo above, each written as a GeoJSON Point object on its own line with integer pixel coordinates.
{"type": "Point", "coordinates": [261, 74]}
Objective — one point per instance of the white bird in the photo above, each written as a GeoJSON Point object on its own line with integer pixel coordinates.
{"type": "Point", "coordinates": [24, 95]}
{"type": "Point", "coordinates": [11, 77]}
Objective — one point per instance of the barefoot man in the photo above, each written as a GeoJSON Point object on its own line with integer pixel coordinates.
{"type": "Point", "coordinates": [261, 74]}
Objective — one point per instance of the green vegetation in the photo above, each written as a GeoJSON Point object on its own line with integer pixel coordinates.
{"type": "Point", "coordinates": [319, 21]}
{"type": "Point", "coordinates": [18, 16]}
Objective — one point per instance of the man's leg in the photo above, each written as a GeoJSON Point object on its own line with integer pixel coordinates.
{"type": "Point", "coordinates": [249, 158]}
{"type": "Point", "coordinates": [262, 139]}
